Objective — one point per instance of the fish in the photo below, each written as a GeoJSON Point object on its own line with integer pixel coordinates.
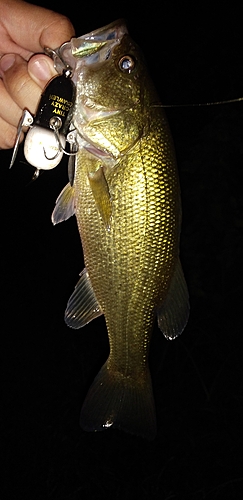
{"type": "Point", "coordinates": [124, 191]}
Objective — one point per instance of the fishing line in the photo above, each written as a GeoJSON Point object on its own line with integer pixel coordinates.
{"type": "Point", "coordinates": [229, 101]}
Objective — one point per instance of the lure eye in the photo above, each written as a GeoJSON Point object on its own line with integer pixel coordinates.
{"type": "Point", "coordinates": [126, 64]}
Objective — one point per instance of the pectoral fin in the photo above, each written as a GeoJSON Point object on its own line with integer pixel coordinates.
{"type": "Point", "coordinates": [174, 312]}
{"type": "Point", "coordinates": [82, 306]}
{"type": "Point", "coordinates": [101, 195]}
{"type": "Point", "coordinates": [65, 205]}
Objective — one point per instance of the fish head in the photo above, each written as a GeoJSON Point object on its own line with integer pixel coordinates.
{"type": "Point", "coordinates": [112, 91]}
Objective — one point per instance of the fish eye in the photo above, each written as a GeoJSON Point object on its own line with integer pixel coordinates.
{"type": "Point", "coordinates": [126, 64]}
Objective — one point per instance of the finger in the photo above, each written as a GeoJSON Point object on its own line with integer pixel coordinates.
{"type": "Point", "coordinates": [10, 112]}
{"type": "Point", "coordinates": [17, 91]}
{"type": "Point", "coordinates": [20, 86]}
{"type": "Point", "coordinates": [57, 32]}
{"type": "Point", "coordinates": [7, 135]}
{"type": "Point", "coordinates": [37, 27]}
{"type": "Point", "coordinates": [41, 69]}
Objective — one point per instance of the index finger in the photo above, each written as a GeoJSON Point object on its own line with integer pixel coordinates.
{"type": "Point", "coordinates": [32, 28]}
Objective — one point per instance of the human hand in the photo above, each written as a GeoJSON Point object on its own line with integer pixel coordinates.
{"type": "Point", "coordinates": [25, 30]}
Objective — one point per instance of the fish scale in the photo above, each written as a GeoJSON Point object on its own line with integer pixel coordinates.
{"type": "Point", "coordinates": [130, 253]}
{"type": "Point", "coordinates": [127, 204]}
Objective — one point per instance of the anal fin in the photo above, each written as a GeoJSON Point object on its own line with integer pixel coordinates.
{"type": "Point", "coordinates": [174, 312]}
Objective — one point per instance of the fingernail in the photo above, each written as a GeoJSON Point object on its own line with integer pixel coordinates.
{"type": "Point", "coordinates": [41, 70]}
{"type": "Point", "coordinates": [6, 62]}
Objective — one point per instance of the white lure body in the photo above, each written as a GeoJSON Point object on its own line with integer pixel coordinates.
{"type": "Point", "coordinates": [41, 148]}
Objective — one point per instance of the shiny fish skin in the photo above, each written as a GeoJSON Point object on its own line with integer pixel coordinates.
{"type": "Point", "coordinates": [126, 199]}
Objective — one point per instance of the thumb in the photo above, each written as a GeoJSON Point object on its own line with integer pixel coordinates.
{"type": "Point", "coordinates": [41, 69]}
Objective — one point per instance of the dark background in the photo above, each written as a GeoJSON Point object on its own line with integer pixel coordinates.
{"type": "Point", "coordinates": [194, 53]}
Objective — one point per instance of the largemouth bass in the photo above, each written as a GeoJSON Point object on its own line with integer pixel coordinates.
{"type": "Point", "coordinates": [126, 197]}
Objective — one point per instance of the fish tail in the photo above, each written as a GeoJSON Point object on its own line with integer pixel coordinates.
{"type": "Point", "coordinates": [117, 401]}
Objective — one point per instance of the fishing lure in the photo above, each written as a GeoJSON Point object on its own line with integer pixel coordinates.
{"type": "Point", "coordinates": [49, 129]}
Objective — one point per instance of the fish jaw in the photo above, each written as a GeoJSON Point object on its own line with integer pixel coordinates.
{"type": "Point", "coordinates": [74, 52]}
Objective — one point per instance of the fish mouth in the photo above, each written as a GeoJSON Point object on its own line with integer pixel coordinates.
{"type": "Point", "coordinates": [89, 44]}
{"type": "Point", "coordinates": [91, 49]}
{"type": "Point", "coordinates": [94, 46]}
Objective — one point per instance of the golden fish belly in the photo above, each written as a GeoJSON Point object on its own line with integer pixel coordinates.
{"type": "Point", "coordinates": [130, 264]}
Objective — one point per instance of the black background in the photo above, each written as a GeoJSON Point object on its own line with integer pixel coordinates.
{"type": "Point", "coordinates": [194, 53]}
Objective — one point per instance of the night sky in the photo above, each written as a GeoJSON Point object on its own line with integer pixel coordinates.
{"type": "Point", "coordinates": [194, 54]}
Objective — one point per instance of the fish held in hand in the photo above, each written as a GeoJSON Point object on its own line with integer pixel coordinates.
{"type": "Point", "coordinates": [125, 193]}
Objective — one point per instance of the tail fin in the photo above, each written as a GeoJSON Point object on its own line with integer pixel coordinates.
{"type": "Point", "coordinates": [116, 401]}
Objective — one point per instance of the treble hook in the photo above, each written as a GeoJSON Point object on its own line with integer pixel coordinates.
{"type": "Point", "coordinates": [55, 124]}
